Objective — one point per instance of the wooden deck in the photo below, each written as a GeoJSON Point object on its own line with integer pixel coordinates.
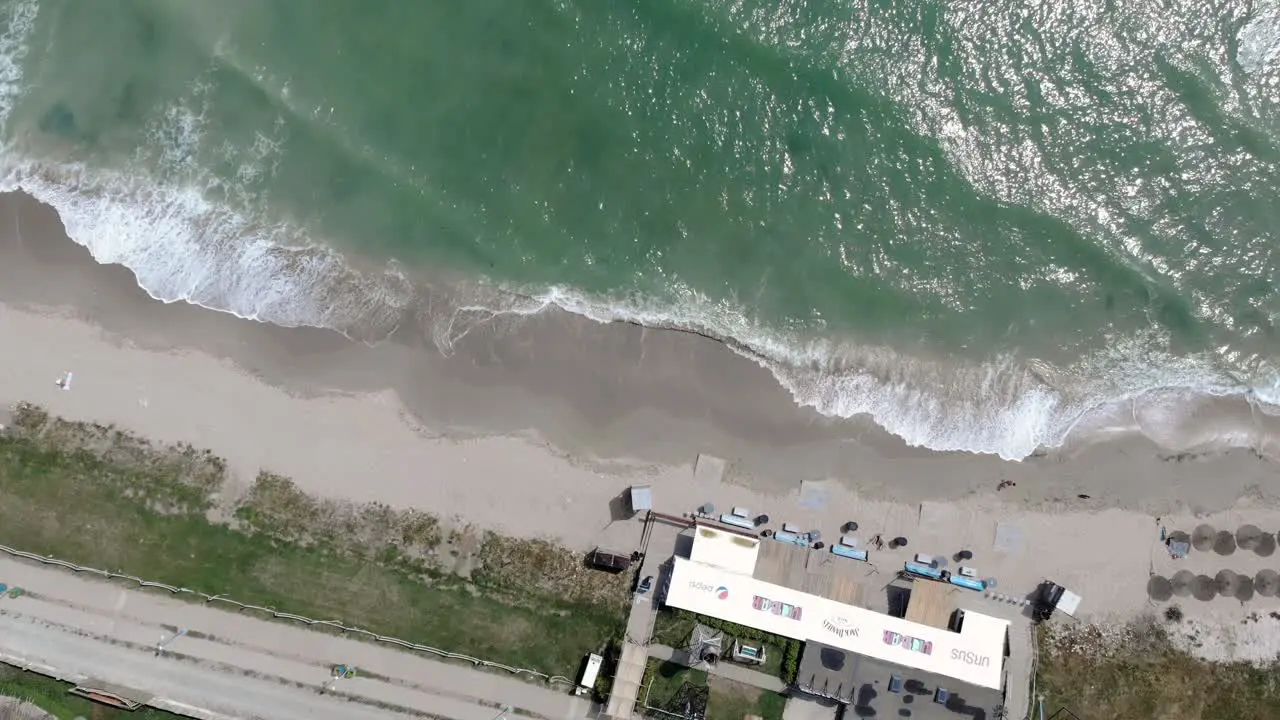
{"type": "Point", "coordinates": [817, 572]}
{"type": "Point", "coordinates": [931, 603]}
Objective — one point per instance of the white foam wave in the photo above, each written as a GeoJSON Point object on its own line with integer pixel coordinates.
{"type": "Point", "coordinates": [182, 246]}
{"type": "Point", "coordinates": [13, 48]}
{"type": "Point", "coordinates": [1007, 406]}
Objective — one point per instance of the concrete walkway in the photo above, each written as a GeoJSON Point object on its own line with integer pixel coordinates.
{"type": "Point", "coordinates": [1022, 647]}
{"type": "Point", "coordinates": [726, 670]}
{"type": "Point", "coordinates": [644, 613]}
{"type": "Point", "coordinates": [234, 666]}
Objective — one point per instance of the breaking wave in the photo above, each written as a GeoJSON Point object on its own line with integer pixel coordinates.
{"type": "Point", "coordinates": [1007, 406]}
{"type": "Point", "coordinates": [199, 240]}
{"type": "Point", "coordinates": [181, 246]}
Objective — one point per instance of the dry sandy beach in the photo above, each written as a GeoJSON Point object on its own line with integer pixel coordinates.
{"type": "Point", "coordinates": [533, 426]}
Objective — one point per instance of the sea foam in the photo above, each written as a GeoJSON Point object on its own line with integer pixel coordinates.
{"type": "Point", "coordinates": [180, 244]}
{"type": "Point", "coordinates": [184, 246]}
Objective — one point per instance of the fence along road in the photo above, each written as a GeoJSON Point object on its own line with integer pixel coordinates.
{"type": "Point", "coordinates": [231, 665]}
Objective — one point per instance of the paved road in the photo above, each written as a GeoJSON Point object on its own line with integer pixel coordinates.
{"type": "Point", "coordinates": [236, 666]}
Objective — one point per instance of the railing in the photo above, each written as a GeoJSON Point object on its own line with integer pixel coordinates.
{"type": "Point", "coordinates": [550, 679]}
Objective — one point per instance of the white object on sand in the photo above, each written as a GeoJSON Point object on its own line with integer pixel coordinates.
{"type": "Point", "coordinates": [64, 382]}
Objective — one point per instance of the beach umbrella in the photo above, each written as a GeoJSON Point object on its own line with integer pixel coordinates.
{"type": "Point", "coordinates": [1248, 537]}
{"type": "Point", "coordinates": [1202, 588]}
{"type": "Point", "coordinates": [851, 526]}
{"type": "Point", "coordinates": [762, 520]}
{"type": "Point", "coordinates": [1178, 536]}
{"type": "Point", "coordinates": [707, 509]}
{"type": "Point", "coordinates": [1266, 545]}
{"type": "Point", "coordinates": [1224, 543]}
{"type": "Point", "coordinates": [1202, 538]}
{"type": "Point", "coordinates": [1227, 582]}
{"type": "Point", "coordinates": [1244, 592]}
{"type": "Point", "coordinates": [1267, 583]}
{"type": "Point", "coordinates": [899, 542]}
{"type": "Point", "coordinates": [1181, 582]}
{"type": "Point", "coordinates": [1159, 588]}
{"type": "Point", "coordinates": [964, 555]}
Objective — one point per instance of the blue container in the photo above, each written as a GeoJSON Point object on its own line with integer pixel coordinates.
{"type": "Point", "coordinates": [923, 570]}
{"type": "Point", "coordinates": [970, 583]}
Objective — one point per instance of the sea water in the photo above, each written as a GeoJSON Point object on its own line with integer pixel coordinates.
{"type": "Point", "coordinates": [976, 222]}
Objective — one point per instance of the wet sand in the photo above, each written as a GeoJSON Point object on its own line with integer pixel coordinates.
{"type": "Point", "coordinates": [534, 426]}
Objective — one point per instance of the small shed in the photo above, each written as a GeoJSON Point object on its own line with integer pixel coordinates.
{"type": "Point", "coordinates": [641, 498]}
{"type": "Point", "coordinates": [706, 645]}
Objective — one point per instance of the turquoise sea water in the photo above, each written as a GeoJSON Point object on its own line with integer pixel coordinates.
{"type": "Point", "coordinates": [979, 222]}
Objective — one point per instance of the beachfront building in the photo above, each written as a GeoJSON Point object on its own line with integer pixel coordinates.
{"type": "Point", "coordinates": [873, 646]}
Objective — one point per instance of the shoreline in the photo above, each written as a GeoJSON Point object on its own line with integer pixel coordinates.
{"type": "Point", "coordinates": [557, 417]}
{"type": "Point", "coordinates": [1011, 408]}
{"type": "Point", "coordinates": [617, 398]}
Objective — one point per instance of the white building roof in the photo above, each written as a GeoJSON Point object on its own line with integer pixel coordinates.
{"type": "Point", "coordinates": [975, 655]}
{"type": "Point", "coordinates": [728, 551]}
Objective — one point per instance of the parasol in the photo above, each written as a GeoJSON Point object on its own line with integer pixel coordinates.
{"type": "Point", "coordinates": [1244, 592]}
{"type": "Point", "coordinates": [1159, 588]}
{"type": "Point", "coordinates": [1266, 546]}
{"type": "Point", "coordinates": [1248, 537]}
{"type": "Point", "coordinates": [1267, 583]}
{"type": "Point", "coordinates": [1202, 588]}
{"type": "Point", "coordinates": [1227, 582]}
{"type": "Point", "coordinates": [1224, 543]}
{"type": "Point", "coordinates": [1202, 538]}
{"type": "Point", "coordinates": [1182, 581]}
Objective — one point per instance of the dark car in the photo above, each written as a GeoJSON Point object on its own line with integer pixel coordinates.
{"type": "Point", "coordinates": [645, 585]}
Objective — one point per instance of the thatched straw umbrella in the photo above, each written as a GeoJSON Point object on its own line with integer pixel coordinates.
{"type": "Point", "coordinates": [1182, 582]}
{"type": "Point", "coordinates": [1202, 537]}
{"type": "Point", "coordinates": [1159, 588]}
{"type": "Point", "coordinates": [1266, 545]}
{"type": "Point", "coordinates": [1227, 582]}
{"type": "Point", "coordinates": [1244, 593]}
{"type": "Point", "coordinates": [1267, 582]}
{"type": "Point", "coordinates": [1224, 543]}
{"type": "Point", "coordinates": [1248, 537]}
{"type": "Point", "coordinates": [1203, 588]}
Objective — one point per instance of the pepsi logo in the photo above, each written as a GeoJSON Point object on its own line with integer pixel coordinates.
{"type": "Point", "coordinates": [722, 592]}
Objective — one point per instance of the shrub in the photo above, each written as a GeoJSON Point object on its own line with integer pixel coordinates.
{"type": "Point", "coordinates": [739, 631]}
{"type": "Point", "coordinates": [791, 662]}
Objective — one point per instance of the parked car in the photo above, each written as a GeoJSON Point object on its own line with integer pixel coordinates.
{"type": "Point", "coordinates": [645, 585]}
